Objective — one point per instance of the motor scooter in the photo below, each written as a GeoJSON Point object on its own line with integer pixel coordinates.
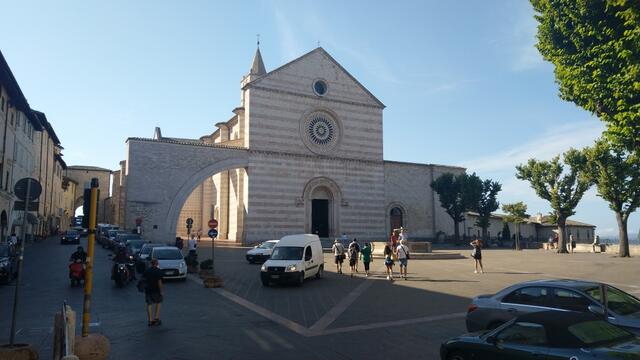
{"type": "Point", "coordinates": [76, 272]}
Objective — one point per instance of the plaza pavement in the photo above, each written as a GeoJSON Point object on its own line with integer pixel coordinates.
{"type": "Point", "coordinates": [337, 317]}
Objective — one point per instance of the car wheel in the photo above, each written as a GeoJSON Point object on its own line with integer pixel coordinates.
{"type": "Point", "coordinates": [456, 356]}
{"type": "Point", "coordinates": [300, 279]}
{"type": "Point", "coordinates": [320, 272]}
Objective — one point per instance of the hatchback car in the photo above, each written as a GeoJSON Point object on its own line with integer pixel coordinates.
{"type": "Point", "coordinates": [142, 258]}
{"type": "Point", "coordinates": [261, 252]}
{"type": "Point", "coordinates": [546, 335]}
{"type": "Point", "coordinates": [70, 237]}
{"type": "Point", "coordinates": [8, 263]}
{"type": "Point", "coordinates": [170, 261]}
{"type": "Point", "coordinates": [489, 311]}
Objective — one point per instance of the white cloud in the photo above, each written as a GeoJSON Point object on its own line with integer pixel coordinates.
{"type": "Point", "coordinates": [522, 39]}
{"type": "Point", "coordinates": [551, 142]}
{"type": "Point", "coordinates": [288, 42]}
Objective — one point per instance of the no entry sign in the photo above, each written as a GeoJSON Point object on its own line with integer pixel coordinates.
{"type": "Point", "coordinates": [213, 223]}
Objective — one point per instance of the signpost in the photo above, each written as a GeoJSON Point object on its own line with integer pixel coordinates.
{"type": "Point", "coordinates": [138, 225]}
{"type": "Point", "coordinates": [26, 189]}
{"type": "Point", "coordinates": [213, 233]}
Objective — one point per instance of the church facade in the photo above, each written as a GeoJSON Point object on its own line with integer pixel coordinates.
{"type": "Point", "coordinates": [303, 153]}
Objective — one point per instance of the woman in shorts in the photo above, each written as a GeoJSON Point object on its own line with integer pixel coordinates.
{"type": "Point", "coordinates": [476, 254]}
{"type": "Point", "coordinates": [388, 261]}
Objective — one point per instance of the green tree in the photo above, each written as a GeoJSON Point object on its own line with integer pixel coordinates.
{"type": "Point", "coordinates": [458, 194]}
{"type": "Point", "coordinates": [595, 48]}
{"type": "Point", "coordinates": [516, 214]}
{"type": "Point", "coordinates": [487, 204]}
{"type": "Point", "coordinates": [563, 190]}
{"type": "Point", "coordinates": [616, 173]}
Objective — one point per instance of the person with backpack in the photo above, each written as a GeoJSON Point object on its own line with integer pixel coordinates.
{"type": "Point", "coordinates": [366, 257]}
{"type": "Point", "coordinates": [356, 247]}
{"type": "Point", "coordinates": [338, 252]}
{"type": "Point", "coordinates": [388, 261]}
{"type": "Point", "coordinates": [353, 259]}
{"type": "Point", "coordinates": [402, 252]}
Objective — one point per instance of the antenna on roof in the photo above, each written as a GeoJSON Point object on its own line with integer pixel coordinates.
{"type": "Point", "coordinates": [318, 43]}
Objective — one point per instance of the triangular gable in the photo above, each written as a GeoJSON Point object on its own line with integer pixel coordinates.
{"type": "Point", "coordinates": [319, 50]}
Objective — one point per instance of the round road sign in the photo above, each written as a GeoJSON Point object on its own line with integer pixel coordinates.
{"type": "Point", "coordinates": [189, 221]}
{"type": "Point", "coordinates": [139, 221]}
{"type": "Point", "coordinates": [213, 223]}
{"type": "Point", "coordinates": [213, 233]}
{"type": "Point", "coordinates": [20, 189]}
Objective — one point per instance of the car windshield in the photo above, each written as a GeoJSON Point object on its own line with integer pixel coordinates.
{"type": "Point", "coordinates": [4, 250]}
{"type": "Point", "coordinates": [287, 253]}
{"type": "Point", "coordinates": [146, 249]}
{"type": "Point", "coordinates": [598, 332]}
{"type": "Point", "coordinates": [71, 233]}
{"type": "Point", "coordinates": [618, 301]}
{"type": "Point", "coordinates": [167, 254]}
{"type": "Point", "coordinates": [135, 244]}
{"type": "Point", "coordinates": [266, 245]}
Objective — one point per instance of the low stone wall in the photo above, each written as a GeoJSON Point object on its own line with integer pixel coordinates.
{"type": "Point", "coordinates": [634, 250]}
{"type": "Point", "coordinates": [414, 247]}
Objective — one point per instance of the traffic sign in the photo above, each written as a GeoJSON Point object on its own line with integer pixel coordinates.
{"type": "Point", "coordinates": [213, 223]}
{"type": "Point", "coordinates": [139, 221]}
{"type": "Point", "coordinates": [189, 226]}
{"type": "Point", "coordinates": [20, 189]}
{"type": "Point", "coordinates": [213, 233]}
{"type": "Point", "coordinates": [189, 221]}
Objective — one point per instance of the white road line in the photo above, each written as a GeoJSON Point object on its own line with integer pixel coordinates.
{"type": "Point", "coordinates": [259, 340]}
{"type": "Point", "coordinates": [276, 339]}
{"type": "Point", "coordinates": [392, 323]}
{"type": "Point", "coordinates": [337, 310]}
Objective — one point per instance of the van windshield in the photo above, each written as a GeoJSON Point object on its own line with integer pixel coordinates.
{"type": "Point", "coordinates": [287, 253]}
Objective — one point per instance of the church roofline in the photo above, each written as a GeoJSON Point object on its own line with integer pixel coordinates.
{"type": "Point", "coordinates": [422, 164]}
{"type": "Point", "coordinates": [324, 52]}
{"type": "Point", "coordinates": [87, 167]}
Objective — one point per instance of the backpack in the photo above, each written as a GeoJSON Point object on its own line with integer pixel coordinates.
{"type": "Point", "coordinates": [357, 247]}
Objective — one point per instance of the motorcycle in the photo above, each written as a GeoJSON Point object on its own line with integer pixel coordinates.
{"type": "Point", "coordinates": [122, 274]}
{"type": "Point", "coordinates": [76, 272]}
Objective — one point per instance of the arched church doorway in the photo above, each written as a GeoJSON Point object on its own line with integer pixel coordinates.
{"type": "Point", "coordinates": [396, 218]}
{"type": "Point", "coordinates": [320, 208]}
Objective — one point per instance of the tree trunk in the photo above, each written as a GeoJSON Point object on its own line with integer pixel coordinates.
{"type": "Point", "coordinates": [623, 236]}
{"type": "Point", "coordinates": [456, 232]}
{"type": "Point", "coordinates": [562, 235]}
{"type": "Point", "coordinates": [485, 241]}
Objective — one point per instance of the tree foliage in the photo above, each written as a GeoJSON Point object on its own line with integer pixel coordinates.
{"type": "Point", "coordinates": [616, 173]}
{"type": "Point", "coordinates": [487, 204]}
{"type": "Point", "coordinates": [595, 48]}
{"type": "Point", "coordinates": [506, 232]}
{"type": "Point", "coordinates": [563, 189]}
{"type": "Point", "coordinates": [517, 214]}
{"type": "Point", "coordinates": [458, 194]}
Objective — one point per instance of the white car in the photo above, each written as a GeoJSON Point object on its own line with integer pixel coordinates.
{"type": "Point", "coordinates": [261, 252]}
{"type": "Point", "coordinates": [170, 261]}
{"type": "Point", "coordinates": [294, 258]}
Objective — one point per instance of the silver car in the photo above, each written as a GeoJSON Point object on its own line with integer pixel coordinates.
{"type": "Point", "coordinates": [170, 261]}
{"type": "Point", "coordinates": [490, 311]}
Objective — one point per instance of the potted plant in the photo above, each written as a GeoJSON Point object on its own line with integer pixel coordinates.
{"type": "Point", "coordinates": [205, 268]}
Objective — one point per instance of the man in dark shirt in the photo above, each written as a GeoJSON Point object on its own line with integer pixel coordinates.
{"type": "Point", "coordinates": [153, 291]}
{"type": "Point", "coordinates": [79, 254]}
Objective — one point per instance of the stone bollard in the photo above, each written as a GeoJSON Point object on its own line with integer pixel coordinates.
{"type": "Point", "coordinates": [92, 347]}
{"type": "Point", "coordinates": [18, 352]}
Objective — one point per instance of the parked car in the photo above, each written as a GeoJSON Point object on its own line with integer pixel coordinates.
{"type": "Point", "coordinates": [489, 311]}
{"type": "Point", "coordinates": [546, 335]}
{"type": "Point", "coordinates": [142, 259]}
{"type": "Point", "coordinates": [133, 246]}
{"type": "Point", "coordinates": [70, 237]}
{"type": "Point", "coordinates": [170, 261]}
{"type": "Point", "coordinates": [261, 252]}
{"type": "Point", "coordinates": [8, 263]}
{"type": "Point", "coordinates": [111, 241]}
{"type": "Point", "coordinates": [293, 259]}
{"type": "Point", "coordinates": [102, 235]}
{"type": "Point", "coordinates": [122, 238]}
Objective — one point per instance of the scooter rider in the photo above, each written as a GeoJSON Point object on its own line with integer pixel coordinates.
{"type": "Point", "coordinates": [123, 258]}
{"type": "Point", "coordinates": [79, 254]}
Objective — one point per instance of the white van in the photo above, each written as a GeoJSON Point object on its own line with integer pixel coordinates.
{"type": "Point", "coordinates": [294, 258]}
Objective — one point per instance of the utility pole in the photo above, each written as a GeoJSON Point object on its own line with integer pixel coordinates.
{"type": "Point", "coordinates": [88, 281]}
{"type": "Point", "coordinates": [20, 264]}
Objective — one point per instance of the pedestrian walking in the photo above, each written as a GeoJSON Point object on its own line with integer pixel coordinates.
{"type": "Point", "coordinates": [572, 242]}
{"type": "Point", "coordinates": [192, 244]}
{"type": "Point", "coordinates": [402, 252]}
{"type": "Point", "coordinates": [366, 257]}
{"type": "Point", "coordinates": [394, 239]}
{"type": "Point", "coordinates": [550, 242]}
{"type": "Point", "coordinates": [338, 253]}
{"type": "Point", "coordinates": [153, 294]}
{"type": "Point", "coordinates": [476, 254]}
{"type": "Point", "coordinates": [354, 244]}
{"type": "Point", "coordinates": [353, 259]}
{"type": "Point", "coordinates": [388, 261]}
{"type": "Point", "coordinates": [596, 243]}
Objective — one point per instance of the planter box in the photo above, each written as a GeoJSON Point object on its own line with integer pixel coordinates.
{"type": "Point", "coordinates": [212, 281]}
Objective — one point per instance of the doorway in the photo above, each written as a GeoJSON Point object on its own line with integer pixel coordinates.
{"type": "Point", "coordinates": [320, 217]}
{"type": "Point", "coordinates": [395, 217]}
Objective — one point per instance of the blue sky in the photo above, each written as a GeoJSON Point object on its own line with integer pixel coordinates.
{"type": "Point", "coordinates": [462, 80]}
